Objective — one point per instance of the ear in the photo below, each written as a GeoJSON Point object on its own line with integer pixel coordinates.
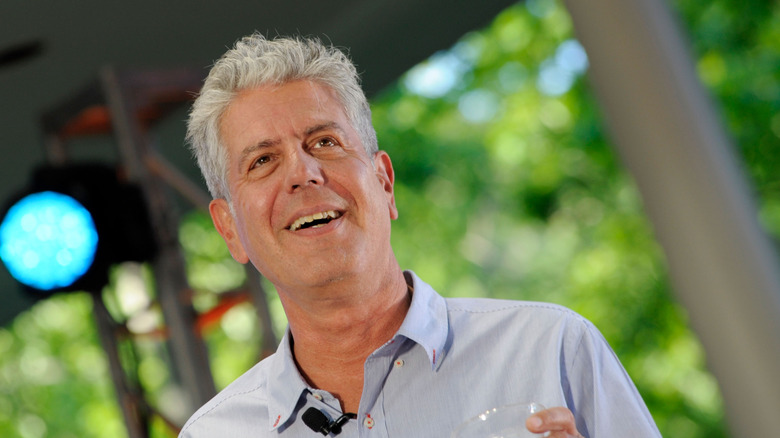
{"type": "Point", "coordinates": [225, 224]}
{"type": "Point", "coordinates": [384, 171]}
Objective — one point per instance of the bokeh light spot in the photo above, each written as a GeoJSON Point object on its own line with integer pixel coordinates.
{"type": "Point", "coordinates": [48, 240]}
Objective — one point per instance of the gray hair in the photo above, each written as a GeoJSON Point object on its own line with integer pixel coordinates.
{"type": "Point", "coordinates": [256, 61]}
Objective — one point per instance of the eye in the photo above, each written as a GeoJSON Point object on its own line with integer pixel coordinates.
{"type": "Point", "coordinates": [325, 142]}
{"type": "Point", "coordinates": [264, 159]}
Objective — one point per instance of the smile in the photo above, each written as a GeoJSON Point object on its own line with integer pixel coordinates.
{"type": "Point", "coordinates": [315, 220]}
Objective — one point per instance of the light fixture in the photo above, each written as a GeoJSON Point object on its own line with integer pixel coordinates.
{"type": "Point", "coordinates": [65, 231]}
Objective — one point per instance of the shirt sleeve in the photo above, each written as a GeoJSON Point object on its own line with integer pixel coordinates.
{"type": "Point", "coordinates": [600, 393]}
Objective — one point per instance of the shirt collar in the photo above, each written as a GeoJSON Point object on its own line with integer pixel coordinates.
{"type": "Point", "coordinates": [426, 323]}
{"type": "Point", "coordinates": [285, 384]}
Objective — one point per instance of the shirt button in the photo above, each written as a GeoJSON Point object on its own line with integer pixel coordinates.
{"type": "Point", "coordinates": [317, 396]}
{"type": "Point", "coordinates": [368, 422]}
{"type": "Point", "coordinates": [399, 363]}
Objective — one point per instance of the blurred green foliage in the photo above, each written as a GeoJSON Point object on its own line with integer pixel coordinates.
{"type": "Point", "coordinates": [507, 187]}
{"type": "Point", "coordinates": [54, 380]}
{"type": "Point", "coordinates": [533, 204]}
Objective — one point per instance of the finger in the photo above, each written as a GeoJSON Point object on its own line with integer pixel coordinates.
{"type": "Point", "coordinates": [558, 419]}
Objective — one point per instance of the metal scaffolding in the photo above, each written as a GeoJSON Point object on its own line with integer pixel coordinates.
{"type": "Point", "coordinates": [126, 103]}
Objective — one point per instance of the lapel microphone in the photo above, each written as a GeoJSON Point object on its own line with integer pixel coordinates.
{"type": "Point", "coordinates": [319, 422]}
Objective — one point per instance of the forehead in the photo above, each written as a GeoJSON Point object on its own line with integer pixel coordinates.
{"type": "Point", "coordinates": [272, 114]}
{"type": "Point", "coordinates": [293, 102]}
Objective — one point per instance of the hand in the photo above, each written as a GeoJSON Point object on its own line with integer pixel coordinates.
{"type": "Point", "coordinates": [554, 423]}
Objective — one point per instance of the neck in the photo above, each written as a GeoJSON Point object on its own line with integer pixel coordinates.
{"type": "Point", "coordinates": [335, 333]}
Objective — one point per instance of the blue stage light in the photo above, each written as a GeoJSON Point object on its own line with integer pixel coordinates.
{"type": "Point", "coordinates": [48, 240]}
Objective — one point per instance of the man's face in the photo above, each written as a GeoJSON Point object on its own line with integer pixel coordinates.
{"type": "Point", "coordinates": [310, 207]}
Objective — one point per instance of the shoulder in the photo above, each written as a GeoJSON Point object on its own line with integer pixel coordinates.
{"type": "Point", "coordinates": [434, 304]}
{"type": "Point", "coordinates": [558, 326]}
{"type": "Point", "coordinates": [525, 310]}
{"type": "Point", "coordinates": [247, 392]}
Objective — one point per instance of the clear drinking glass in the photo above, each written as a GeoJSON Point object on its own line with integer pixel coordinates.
{"type": "Point", "coordinates": [501, 422]}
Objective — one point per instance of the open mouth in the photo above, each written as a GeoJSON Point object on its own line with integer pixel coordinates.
{"type": "Point", "coordinates": [315, 220]}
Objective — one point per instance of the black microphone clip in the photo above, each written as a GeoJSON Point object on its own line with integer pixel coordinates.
{"type": "Point", "coordinates": [319, 422]}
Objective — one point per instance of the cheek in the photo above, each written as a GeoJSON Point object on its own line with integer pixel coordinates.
{"type": "Point", "coordinates": [246, 214]}
{"type": "Point", "coordinates": [257, 211]}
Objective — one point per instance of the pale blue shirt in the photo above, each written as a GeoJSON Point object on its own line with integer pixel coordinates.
{"type": "Point", "coordinates": [451, 359]}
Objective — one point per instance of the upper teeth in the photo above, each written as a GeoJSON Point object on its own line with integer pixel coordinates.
{"type": "Point", "coordinates": [316, 216]}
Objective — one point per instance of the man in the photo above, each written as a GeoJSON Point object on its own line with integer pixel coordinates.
{"type": "Point", "coordinates": [283, 135]}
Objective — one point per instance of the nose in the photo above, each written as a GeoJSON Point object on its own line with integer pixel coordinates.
{"type": "Point", "coordinates": [303, 170]}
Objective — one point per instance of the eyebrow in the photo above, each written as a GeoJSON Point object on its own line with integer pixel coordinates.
{"type": "Point", "coordinates": [323, 127]}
